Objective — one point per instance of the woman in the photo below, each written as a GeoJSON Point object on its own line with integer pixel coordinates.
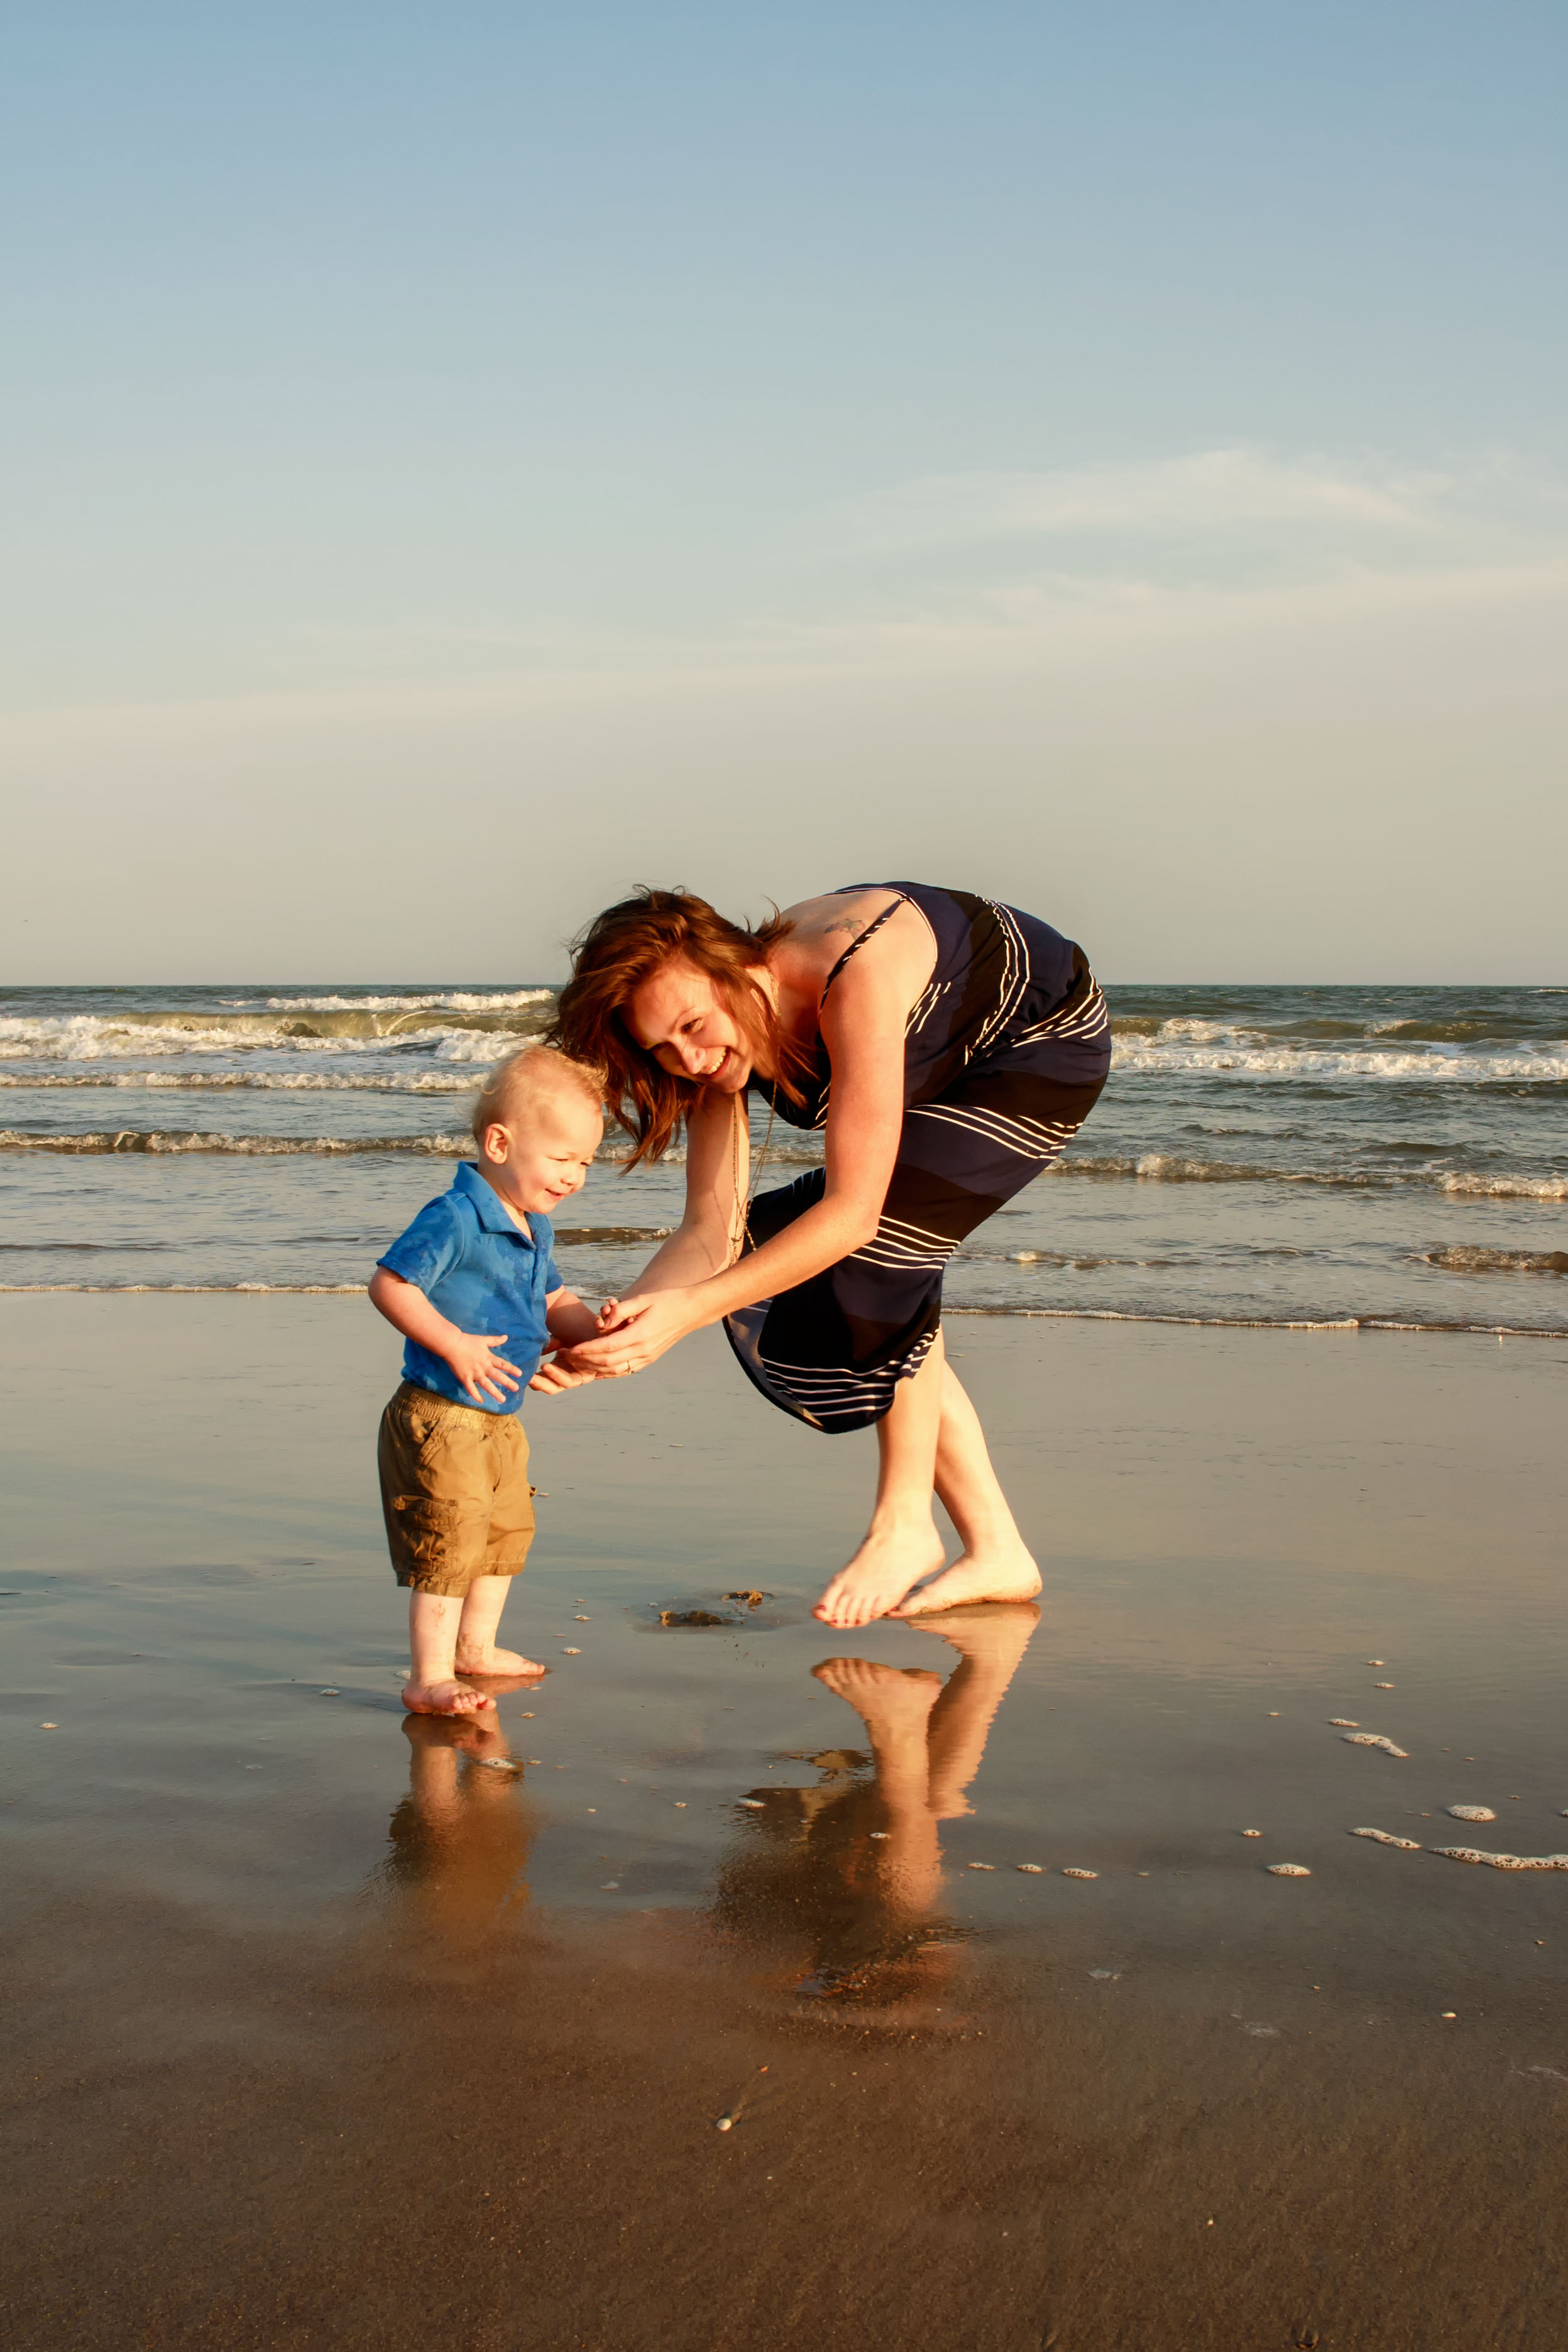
{"type": "Point", "coordinates": [948, 1047]}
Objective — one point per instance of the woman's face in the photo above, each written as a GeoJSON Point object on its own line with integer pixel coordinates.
{"type": "Point", "coordinates": [679, 1017]}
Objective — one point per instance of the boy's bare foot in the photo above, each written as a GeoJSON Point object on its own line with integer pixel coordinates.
{"type": "Point", "coordinates": [891, 1700]}
{"type": "Point", "coordinates": [443, 1698]}
{"type": "Point", "coordinates": [495, 1662]}
{"type": "Point", "coordinates": [888, 1562]}
{"type": "Point", "coordinates": [1009, 1575]}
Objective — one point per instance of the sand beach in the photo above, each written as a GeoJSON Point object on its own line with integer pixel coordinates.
{"type": "Point", "coordinates": [325, 2027]}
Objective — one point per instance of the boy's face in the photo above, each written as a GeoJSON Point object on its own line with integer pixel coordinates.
{"type": "Point", "coordinates": [542, 1155]}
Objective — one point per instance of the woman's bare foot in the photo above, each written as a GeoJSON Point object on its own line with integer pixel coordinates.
{"type": "Point", "coordinates": [1009, 1575]}
{"type": "Point", "coordinates": [443, 1698]}
{"type": "Point", "coordinates": [891, 1701]}
{"type": "Point", "coordinates": [495, 1663]}
{"type": "Point", "coordinates": [888, 1562]}
{"type": "Point", "coordinates": [994, 1631]}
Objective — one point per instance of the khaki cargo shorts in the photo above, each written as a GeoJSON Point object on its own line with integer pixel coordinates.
{"type": "Point", "coordinates": [455, 1491]}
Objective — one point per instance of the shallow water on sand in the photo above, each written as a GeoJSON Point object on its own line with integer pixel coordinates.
{"type": "Point", "coordinates": [748, 1833]}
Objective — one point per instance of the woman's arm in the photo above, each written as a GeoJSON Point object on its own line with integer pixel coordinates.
{"type": "Point", "coordinates": [708, 1237]}
{"type": "Point", "coordinates": [862, 1025]}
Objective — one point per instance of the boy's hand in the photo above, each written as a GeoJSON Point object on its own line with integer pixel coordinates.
{"type": "Point", "coordinates": [479, 1367]}
{"type": "Point", "coordinates": [562, 1369]}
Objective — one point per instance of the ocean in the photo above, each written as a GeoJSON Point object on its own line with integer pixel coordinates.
{"type": "Point", "coordinates": [1390, 1156]}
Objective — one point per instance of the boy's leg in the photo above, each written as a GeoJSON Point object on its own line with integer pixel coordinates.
{"type": "Point", "coordinates": [433, 1688]}
{"type": "Point", "coordinates": [477, 1653]}
{"type": "Point", "coordinates": [509, 1534]}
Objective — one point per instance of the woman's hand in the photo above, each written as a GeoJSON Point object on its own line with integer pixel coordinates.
{"type": "Point", "coordinates": [634, 1332]}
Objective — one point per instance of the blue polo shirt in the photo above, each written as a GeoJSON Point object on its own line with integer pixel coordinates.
{"type": "Point", "coordinates": [478, 1270]}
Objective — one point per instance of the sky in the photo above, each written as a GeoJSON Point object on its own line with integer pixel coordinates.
{"type": "Point", "coordinates": [458, 463]}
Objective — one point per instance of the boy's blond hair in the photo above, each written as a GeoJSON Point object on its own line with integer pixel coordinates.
{"type": "Point", "coordinates": [533, 1074]}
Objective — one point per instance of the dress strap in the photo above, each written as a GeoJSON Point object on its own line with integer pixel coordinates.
{"type": "Point", "coordinates": [870, 932]}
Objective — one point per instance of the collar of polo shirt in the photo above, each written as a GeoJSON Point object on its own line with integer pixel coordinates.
{"type": "Point", "coordinates": [489, 1206]}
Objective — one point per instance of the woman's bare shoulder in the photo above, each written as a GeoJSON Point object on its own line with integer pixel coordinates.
{"type": "Point", "coordinates": [837, 917]}
{"type": "Point", "coordinates": [826, 929]}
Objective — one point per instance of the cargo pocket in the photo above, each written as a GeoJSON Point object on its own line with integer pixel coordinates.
{"type": "Point", "coordinates": [431, 1532]}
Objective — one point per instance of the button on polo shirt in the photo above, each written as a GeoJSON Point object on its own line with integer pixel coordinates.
{"type": "Point", "coordinates": [476, 1267]}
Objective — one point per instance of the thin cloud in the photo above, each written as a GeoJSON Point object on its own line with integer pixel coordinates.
{"type": "Point", "coordinates": [1212, 492]}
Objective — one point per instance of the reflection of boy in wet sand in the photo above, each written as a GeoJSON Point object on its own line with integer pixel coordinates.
{"type": "Point", "coordinates": [460, 1838]}
{"type": "Point", "coordinates": [856, 1866]}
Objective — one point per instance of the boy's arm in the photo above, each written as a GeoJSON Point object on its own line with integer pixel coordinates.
{"type": "Point", "coordinates": [570, 1322]}
{"type": "Point", "coordinates": [473, 1358]}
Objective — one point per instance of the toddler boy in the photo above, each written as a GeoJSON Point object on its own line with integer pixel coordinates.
{"type": "Point", "coordinates": [474, 1272]}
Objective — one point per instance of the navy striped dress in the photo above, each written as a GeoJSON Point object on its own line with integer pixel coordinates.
{"type": "Point", "coordinates": [1004, 1056]}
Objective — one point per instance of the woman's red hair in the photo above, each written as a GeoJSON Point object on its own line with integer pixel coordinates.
{"type": "Point", "coordinates": [626, 945]}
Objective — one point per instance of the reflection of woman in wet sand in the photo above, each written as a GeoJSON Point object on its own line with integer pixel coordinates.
{"type": "Point", "coordinates": [857, 1864]}
{"type": "Point", "coordinates": [460, 1839]}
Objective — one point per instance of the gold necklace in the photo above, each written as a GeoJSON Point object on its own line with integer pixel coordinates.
{"type": "Point", "coordinates": [740, 1233]}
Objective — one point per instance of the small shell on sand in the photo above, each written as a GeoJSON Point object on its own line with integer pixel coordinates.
{"type": "Point", "coordinates": [725, 2123]}
{"type": "Point", "coordinates": [1288, 1870]}
{"type": "Point", "coordinates": [570, 1653]}
{"type": "Point", "coordinates": [1503, 1861]}
{"type": "Point", "coordinates": [1377, 1662]}
{"type": "Point", "coordinates": [979, 1865]}
{"type": "Point", "coordinates": [1081, 1873]}
{"type": "Point", "coordinates": [1472, 1813]}
{"type": "Point", "coordinates": [1383, 1686]}
{"type": "Point", "coordinates": [1375, 1740]}
{"type": "Point", "coordinates": [1344, 1723]}
{"type": "Point", "coordinates": [758, 1805]}
{"type": "Point", "coordinates": [1386, 1837]}
{"type": "Point", "coordinates": [331, 1694]}
{"type": "Point", "coordinates": [1033, 1869]}
{"type": "Point", "coordinates": [49, 1727]}
{"type": "Point", "coordinates": [582, 1620]}
{"type": "Point", "coordinates": [881, 1834]}
{"type": "Point", "coordinates": [497, 1763]}
{"type": "Point", "coordinates": [1251, 1833]}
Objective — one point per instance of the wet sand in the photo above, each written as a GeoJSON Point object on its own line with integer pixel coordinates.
{"type": "Point", "coordinates": [326, 2027]}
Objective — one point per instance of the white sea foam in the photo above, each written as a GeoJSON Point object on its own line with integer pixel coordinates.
{"type": "Point", "coordinates": [1434, 1066]}
{"type": "Point", "coordinates": [377, 1082]}
{"type": "Point", "coordinates": [86, 1038]}
{"type": "Point", "coordinates": [501, 1000]}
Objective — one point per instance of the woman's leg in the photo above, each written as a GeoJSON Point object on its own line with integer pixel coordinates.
{"type": "Point", "coordinates": [996, 1564]}
{"type": "Point", "coordinates": [902, 1544]}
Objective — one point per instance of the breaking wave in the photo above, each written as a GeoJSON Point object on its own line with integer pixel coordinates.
{"type": "Point", "coordinates": [1463, 1260]}
{"type": "Point", "coordinates": [1171, 1168]}
{"type": "Point", "coordinates": [1253, 1054]}
{"type": "Point", "coordinates": [457, 1036]}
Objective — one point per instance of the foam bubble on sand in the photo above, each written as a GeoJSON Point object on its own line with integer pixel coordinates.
{"type": "Point", "coordinates": [1033, 1869]}
{"type": "Point", "coordinates": [979, 1865]}
{"type": "Point", "coordinates": [1344, 1723]}
{"type": "Point", "coordinates": [1288, 1870]}
{"type": "Point", "coordinates": [1081, 1873]}
{"type": "Point", "coordinates": [1375, 1740]}
{"type": "Point", "coordinates": [1472, 1813]}
{"type": "Point", "coordinates": [1503, 1861]}
{"type": "Point", "coordinates": [1386, 1837]}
